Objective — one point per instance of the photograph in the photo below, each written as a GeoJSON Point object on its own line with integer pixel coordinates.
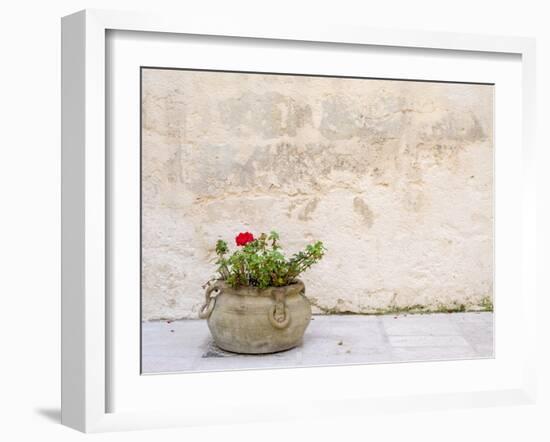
{"type": "Point", "coordinates": [302, 220]}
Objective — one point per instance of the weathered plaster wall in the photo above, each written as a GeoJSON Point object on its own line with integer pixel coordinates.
{"type": "Point", "coordinates": [394, 176]}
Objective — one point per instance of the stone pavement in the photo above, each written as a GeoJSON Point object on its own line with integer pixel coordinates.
{"type": "Point", "coordinates": [186, 345]}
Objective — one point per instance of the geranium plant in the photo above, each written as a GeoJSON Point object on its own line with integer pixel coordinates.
{"type": "Point", "coordinates": [260, 262]}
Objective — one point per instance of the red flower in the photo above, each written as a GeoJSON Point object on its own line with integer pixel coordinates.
{"type": "Point", "coordinates": [244, 238]}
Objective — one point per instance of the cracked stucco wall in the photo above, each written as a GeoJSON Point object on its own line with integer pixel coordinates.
{"type": "Point", "coordinates": [396, 178]}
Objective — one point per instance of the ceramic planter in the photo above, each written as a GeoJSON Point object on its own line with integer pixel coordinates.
{"type": "Point", "coordinates": [254, 321]}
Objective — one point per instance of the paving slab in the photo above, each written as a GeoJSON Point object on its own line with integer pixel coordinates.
{"type": "Point", "coordinates": [186, 345]}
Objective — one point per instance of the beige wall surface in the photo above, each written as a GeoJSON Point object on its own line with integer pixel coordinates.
{"type": "Point", "coordinates": [395, 177]}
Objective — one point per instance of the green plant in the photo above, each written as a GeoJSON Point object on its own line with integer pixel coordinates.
{"type": "Point", "coordinates": [260, 262]}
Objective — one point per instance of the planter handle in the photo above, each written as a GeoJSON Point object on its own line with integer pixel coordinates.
{"type": "Point", "coordinates": [210, 301]}
{"type": "Point", "coordinates": [279, 314]}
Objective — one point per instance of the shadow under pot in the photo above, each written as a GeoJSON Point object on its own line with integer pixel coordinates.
{"type": "Point", "coordinates": [251, 320]}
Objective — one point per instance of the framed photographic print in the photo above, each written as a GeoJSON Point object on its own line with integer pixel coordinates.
{"type": "Point", "coordinates": [251, 212]}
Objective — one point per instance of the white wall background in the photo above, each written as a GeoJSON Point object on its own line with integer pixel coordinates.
{"type": "Point", "coordinates": [29, 226]}
{"type": "Point", "coordinates": [395, 177]}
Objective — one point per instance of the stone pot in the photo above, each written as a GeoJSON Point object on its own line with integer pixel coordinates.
{"type": "Point", "coordinates": [252, 320]}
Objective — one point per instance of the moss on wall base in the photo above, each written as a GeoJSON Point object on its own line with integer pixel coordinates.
{"type": "Point", "coordinates": [485, 305]}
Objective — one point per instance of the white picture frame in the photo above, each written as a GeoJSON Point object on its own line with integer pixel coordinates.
{"type": "Point", "coordinates": [85, 207]}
